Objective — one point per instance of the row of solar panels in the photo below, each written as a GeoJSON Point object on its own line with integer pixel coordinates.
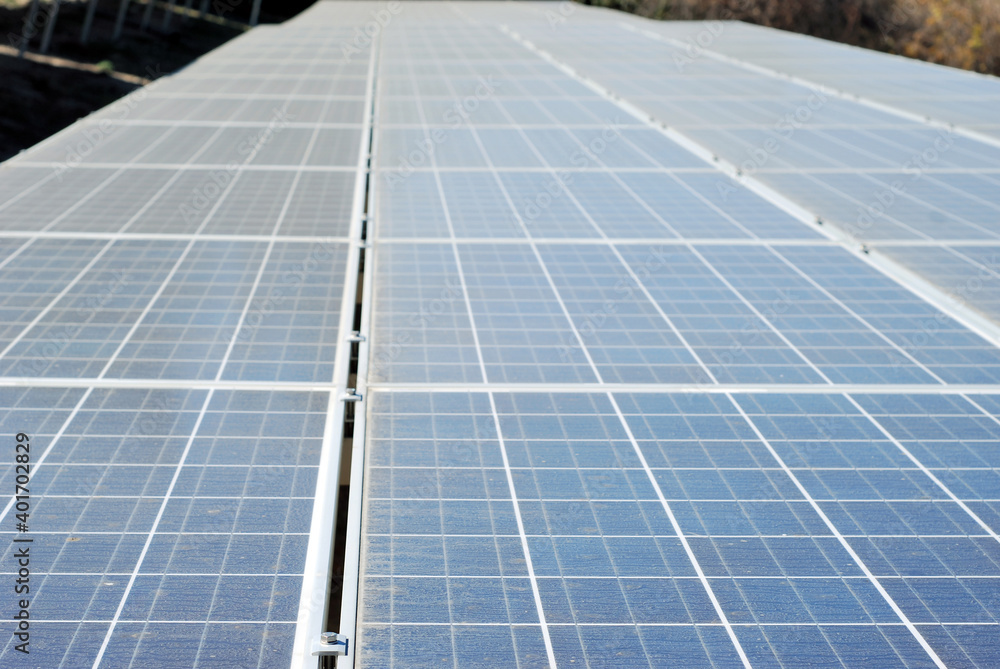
{"type": "Point", "coordinates": [535, 495]}
{"type": "Point", "coordinates": [172, 347]}
{"type": "Point", "coordinates": [624, 406]}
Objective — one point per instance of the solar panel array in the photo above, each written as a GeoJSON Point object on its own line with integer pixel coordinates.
{"type": "Point", "coordinates": [174, 269]}
{"type": "Point", "coordinates": [903, 157]}
{"type": "Point", "coordinates": [629, 408]}
{"type": "Point", "coordinates": [661, 368]}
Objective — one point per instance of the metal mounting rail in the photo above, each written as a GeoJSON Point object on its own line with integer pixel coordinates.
{"type": "Point", "coordinates": [312, 639]}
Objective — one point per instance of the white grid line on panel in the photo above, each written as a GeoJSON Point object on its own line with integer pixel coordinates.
{"type": "Point", "coordinates": [169, 237]}
{"type": "Point", "coordinates": [202, 167]}
{"type": "Point", "coordinates": [907, 279]}
{"type": "Point", "coordinates": [840, 537]}
{"type": "Point", "coordinates": [597, 374]}
{"type": "Point", "coordinates": [121, 346]}
{"type": "Point", "coordinates": [529, 565]}
{"type": "Point", "coordinates": [795, 348]}
{"type": "Point", "coordinates": [542, 387]}
{"type": "Point", "coordinates": [692, 558]}
{"type": "Point", "coordinates": [937, 481]}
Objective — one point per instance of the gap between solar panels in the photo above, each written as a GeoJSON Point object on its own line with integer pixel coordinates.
{"type": "Point", "coordinates": [343, 578]}
{"type": "Point", "coordinates": [325, 634]}
{"type": "Point", "coordinates": [346, 536]}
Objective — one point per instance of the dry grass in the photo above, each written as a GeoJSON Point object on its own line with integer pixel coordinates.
{"type": "Point", "coordinates": [959, 33]}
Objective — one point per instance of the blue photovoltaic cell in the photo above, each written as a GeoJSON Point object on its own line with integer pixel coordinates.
{"type": "Point", "coordinates": [78, 333]}
{"type": "Point", "coordinates": [290, 332]}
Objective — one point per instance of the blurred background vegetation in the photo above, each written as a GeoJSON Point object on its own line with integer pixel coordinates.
{"type": "Point", "coordinates": [959, 33]}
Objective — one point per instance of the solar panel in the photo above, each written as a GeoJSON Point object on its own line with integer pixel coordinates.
{"type": "Point", "coordinates": [176, 270]}
{"type": "Point", "coordinates": [557, 506]}
{"type": "Point", "coordinates": [641, 377]}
